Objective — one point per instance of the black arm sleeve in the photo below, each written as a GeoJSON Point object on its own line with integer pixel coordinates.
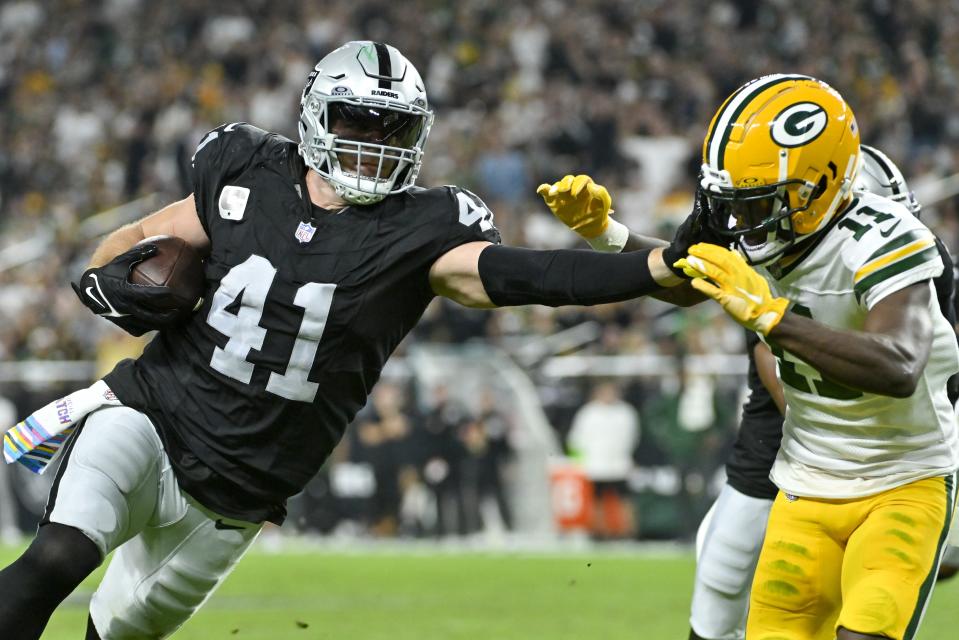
{"type": "Point", "coordinates": [513, 276]}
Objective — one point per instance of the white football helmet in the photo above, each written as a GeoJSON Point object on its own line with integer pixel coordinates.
{"type": "Point", "coordinates": [880, 175]}
{"type": "Point", "coordinates": [364, 120]}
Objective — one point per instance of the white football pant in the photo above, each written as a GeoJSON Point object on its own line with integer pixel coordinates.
{"type": "Point", "coordinates": [950, 556]}
{"type": "Point", "coordinates": [727, 550]}
{"type": "Point", "coordinates": [117, 487]}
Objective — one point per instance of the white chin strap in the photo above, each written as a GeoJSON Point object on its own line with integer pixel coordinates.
{"type": "Point", "coordinates": [353, 196]}
{"type": "Point", "coordinates": [763, 254]}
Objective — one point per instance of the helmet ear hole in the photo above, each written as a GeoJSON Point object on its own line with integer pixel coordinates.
{"type": "Point", "coordinates": [820, 187]}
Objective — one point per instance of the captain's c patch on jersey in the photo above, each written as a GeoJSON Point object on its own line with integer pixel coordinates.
{"type": "Point", "coordinates": [233, 201]}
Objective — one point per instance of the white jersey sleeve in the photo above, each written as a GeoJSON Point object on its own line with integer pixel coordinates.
{"type": "Point", "coordinates": [891, 250]}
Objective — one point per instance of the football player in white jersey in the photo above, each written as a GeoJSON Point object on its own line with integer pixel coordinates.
{"type": "Point", "coordinates": [839, 284]}
{"type": "Point", "coordinates": [730, 537]}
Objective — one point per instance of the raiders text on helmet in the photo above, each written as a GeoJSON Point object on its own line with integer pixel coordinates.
{"type": "Point", "coordinates": [779, 161]}
{"type": "Point", "coordinates": [364, 119]}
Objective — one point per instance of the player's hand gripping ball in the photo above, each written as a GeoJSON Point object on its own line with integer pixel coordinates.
{"type": "Point", "coordinates": [154, 285]}
{"type": "Point", "coordinates": [175, 266]}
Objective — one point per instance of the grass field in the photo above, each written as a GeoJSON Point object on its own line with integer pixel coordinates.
{"type": "Point", "coordinates": [312, 594]}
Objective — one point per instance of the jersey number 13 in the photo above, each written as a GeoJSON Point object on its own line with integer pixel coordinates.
{"type": "Point", "coordinates": [252, 279]}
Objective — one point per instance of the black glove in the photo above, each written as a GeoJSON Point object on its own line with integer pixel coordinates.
{"type": "Point", "coordinates": [695, 228]}
{"type": "Point", "coordinates": [135, 308]}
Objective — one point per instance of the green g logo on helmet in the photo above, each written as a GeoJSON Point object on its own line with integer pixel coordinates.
{"type": "Point", "coordinates": [798, 124]}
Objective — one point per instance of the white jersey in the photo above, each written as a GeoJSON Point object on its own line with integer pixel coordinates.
{"type": "Point", "coordinates": [839, 442]}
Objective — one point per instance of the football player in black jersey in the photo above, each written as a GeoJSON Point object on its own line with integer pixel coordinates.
{"type": "Point", "coordinates": [319, 258]}
{"type": "Point", "coordinates": [731, 535]}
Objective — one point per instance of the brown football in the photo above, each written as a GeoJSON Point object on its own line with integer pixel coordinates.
{"type": "Point", "coordinates": [175, 265]}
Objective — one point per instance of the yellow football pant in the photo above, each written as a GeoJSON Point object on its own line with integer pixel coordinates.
{"type": "Point", "coordinates": [867, 565]}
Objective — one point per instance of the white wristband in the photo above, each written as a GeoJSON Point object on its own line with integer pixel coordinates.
{"type": "Point", "coordinates": [612, 240]}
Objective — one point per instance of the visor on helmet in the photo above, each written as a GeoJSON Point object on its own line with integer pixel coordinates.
{"type": "Point", "coordinates": [376, 125]}
{"type": "Point", "coordinates": [752, 218]}
{"type": "Point", "coordinates": [372, 140]}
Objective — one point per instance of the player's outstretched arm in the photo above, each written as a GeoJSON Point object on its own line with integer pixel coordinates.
{"type": "Point", "coordinates": [585, 207]}
{"type": "Point", "coordinates": [483, 275]}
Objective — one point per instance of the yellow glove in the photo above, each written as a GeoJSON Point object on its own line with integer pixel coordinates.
{"type": "Point", "coordinates": [742, 292]}
{"type": "Point", "coordinates": [579, 203]}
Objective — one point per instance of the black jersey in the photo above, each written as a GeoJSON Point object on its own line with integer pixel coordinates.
{"type": "Point", "coordinates": [301, 310]}
{"type": "Point", "coordinates": [760, 433]}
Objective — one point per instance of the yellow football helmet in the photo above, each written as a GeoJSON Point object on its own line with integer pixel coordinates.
{"type": "Point", "coordinates": [779, 161]}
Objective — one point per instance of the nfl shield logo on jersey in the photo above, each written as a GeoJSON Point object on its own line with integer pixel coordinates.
{"type": "Point", "coordinates": [304, 232]}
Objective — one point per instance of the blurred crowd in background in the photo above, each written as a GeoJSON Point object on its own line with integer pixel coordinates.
{"type": "Point", "coordinates": [103, 102]}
